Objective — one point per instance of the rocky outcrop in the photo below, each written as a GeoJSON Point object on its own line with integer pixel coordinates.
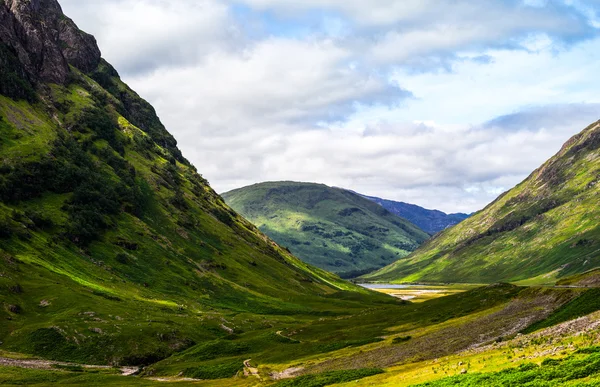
{"type": "Point", "coordinates": [45, 41]}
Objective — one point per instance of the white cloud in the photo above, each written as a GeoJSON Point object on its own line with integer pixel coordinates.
{"type": "Point", "coordinates": [142, 35]}
{"type": "Point", "coordinates": [275, 82]}
{"type": "Point", "coordinates": [440, 103]}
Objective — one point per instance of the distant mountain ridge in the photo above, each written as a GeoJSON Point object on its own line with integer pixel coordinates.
{"type": "Point", "coordinates": [544, 229]}
{"type": "Point", "coordinates": [431, 221]}
{"type": "Point", "coordinates": [331, 228]}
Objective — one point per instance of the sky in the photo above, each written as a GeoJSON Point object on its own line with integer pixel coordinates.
{"type": "Point", "coordinates": [441, 103]}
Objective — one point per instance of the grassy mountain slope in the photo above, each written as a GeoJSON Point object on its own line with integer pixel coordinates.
{"type": "Point", "coordinates": [544, 229]}
{"type": "Point", "coordinates": [113, 249]}
{"type": "Point", "coordinates": [331, 228]}
{"type": "Point", "coordinates": [431, 221]}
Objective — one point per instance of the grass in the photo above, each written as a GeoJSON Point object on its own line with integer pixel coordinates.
{"type": "Point", "coordinates": [223, 369]}
{"type": "Point", "coordinates": [329, 378]}
{"type": "Point", "coordinates": [572, 371]}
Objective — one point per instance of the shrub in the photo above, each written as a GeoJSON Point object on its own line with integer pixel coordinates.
{"type": "Point", "coordinates": [403, 339]}
{"type": "Point", "coordinates": [6, 228]}
{"type": "Point", "coordinates": [122, 258]}
{"type": "Point", "coordinates": [222, 370]}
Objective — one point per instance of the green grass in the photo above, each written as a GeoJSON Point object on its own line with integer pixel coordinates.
{"type": "Point", "coordinates": [330, 228]}
{"type": "Point", "coordinates": [579, 370]}
{"type": "Point", "coordinates": [329, 378]}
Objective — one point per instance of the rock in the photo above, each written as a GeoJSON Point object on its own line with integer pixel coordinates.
{"type": "Point", "coordinates": [16, 309]}
{"type": "Point", "coordinates": [463, 371]}
{"type": "Point", "coordinates": [45, 41]}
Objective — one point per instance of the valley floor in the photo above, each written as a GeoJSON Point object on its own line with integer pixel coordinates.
{"type": "Point", "coordinates": [490, 334]}
{"type": "Point", "coordinates": [419, 293]}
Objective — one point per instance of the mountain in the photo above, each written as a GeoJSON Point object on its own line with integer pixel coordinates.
{"type": "Point", "coordinates": [115, 252]}
{"type": "Point", "coordinates": [331, 228]}
{"type": "Point", "coordinates": [545, 228]}
{"type": "Point", "coordinates": [431, 221]}
{"type": "Point", "coordinates": [113, 249]}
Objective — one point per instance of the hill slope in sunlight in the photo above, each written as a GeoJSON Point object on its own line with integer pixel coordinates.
{"type": "Point", "coordinates": [331, 228]}
{"type": "Point", "coordinates": [545, 228]}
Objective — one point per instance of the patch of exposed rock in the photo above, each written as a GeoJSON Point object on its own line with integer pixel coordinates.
{"type": "Point", "coordinates": [45, 41]}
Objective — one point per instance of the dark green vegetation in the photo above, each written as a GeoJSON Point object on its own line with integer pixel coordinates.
{"type": "Point", "coordinates": [329, 378]}
{"type": "Point", "coordinates": [431, 221]}
{"type": "Point", "coordinates": [545, 228]}
{"type": "Point", "coordinates": [580, 370]}
{"type": "Point", "coordinates": [331, 228]}
{"type": "Point", "coordinates": [401, 339]}
{"type": "Point", "coordinates": [221, 370]}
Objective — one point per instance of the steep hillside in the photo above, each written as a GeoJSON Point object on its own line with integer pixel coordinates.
{"type": "Point", "coordinates": [544, 229]}
{"type": "Point", "coordinates": [113, 249]}
{"type": "Point", "coordinates": [331, 228]}
{"type": "Point", "coordinates": [431, 221]}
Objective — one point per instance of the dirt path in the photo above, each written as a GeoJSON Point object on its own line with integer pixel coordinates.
{"type": "Point", "coordinates": [249, 370]}
{"type": "Point", "coordinates": [51, 365]}
{"type": "Point", "coordinates": [173, 379]}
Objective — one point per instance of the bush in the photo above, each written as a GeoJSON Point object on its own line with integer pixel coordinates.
{"type": "Point", "coordinates": [221, 370]}
{"type": "Point", "coordinates": [403, 339]}
{"type": "Point", "coordinates": [14, 82]}
{"type": "Point", "coordinates": [122, 258]}
{"type": "Point", "coordinates": [97, 197]}
{"type": "Point", "coordinates": [99, 122]}
{"type": "Point", "coordinates": [39, 220]}
{"type": "Point", "coordinates": [6, 228]}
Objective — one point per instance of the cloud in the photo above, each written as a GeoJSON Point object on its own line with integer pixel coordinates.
{"type": "Point", "coordinates": [275, 82]}
{"type": "Point", "coordinates": [455, 169]}
{"type": "Point", "coordinates": [428, 33]}
{"type": "Point", "coordinates": [441, 103]}
{"type": "Point", "coordinates": [546, 117]}
{"type": "Point", "coordinates": [138, 36]}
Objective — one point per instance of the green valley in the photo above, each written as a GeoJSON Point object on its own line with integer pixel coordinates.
{"type": "Point", "coordinates": [331, 228]}
{"type": "Point", "coordinates": [113, 249]}
{"type": "Point", "coordinates": [121, 266]}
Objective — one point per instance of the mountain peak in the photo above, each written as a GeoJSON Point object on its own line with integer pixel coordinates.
{"type": "Point", "coordinates": [45, 41]}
